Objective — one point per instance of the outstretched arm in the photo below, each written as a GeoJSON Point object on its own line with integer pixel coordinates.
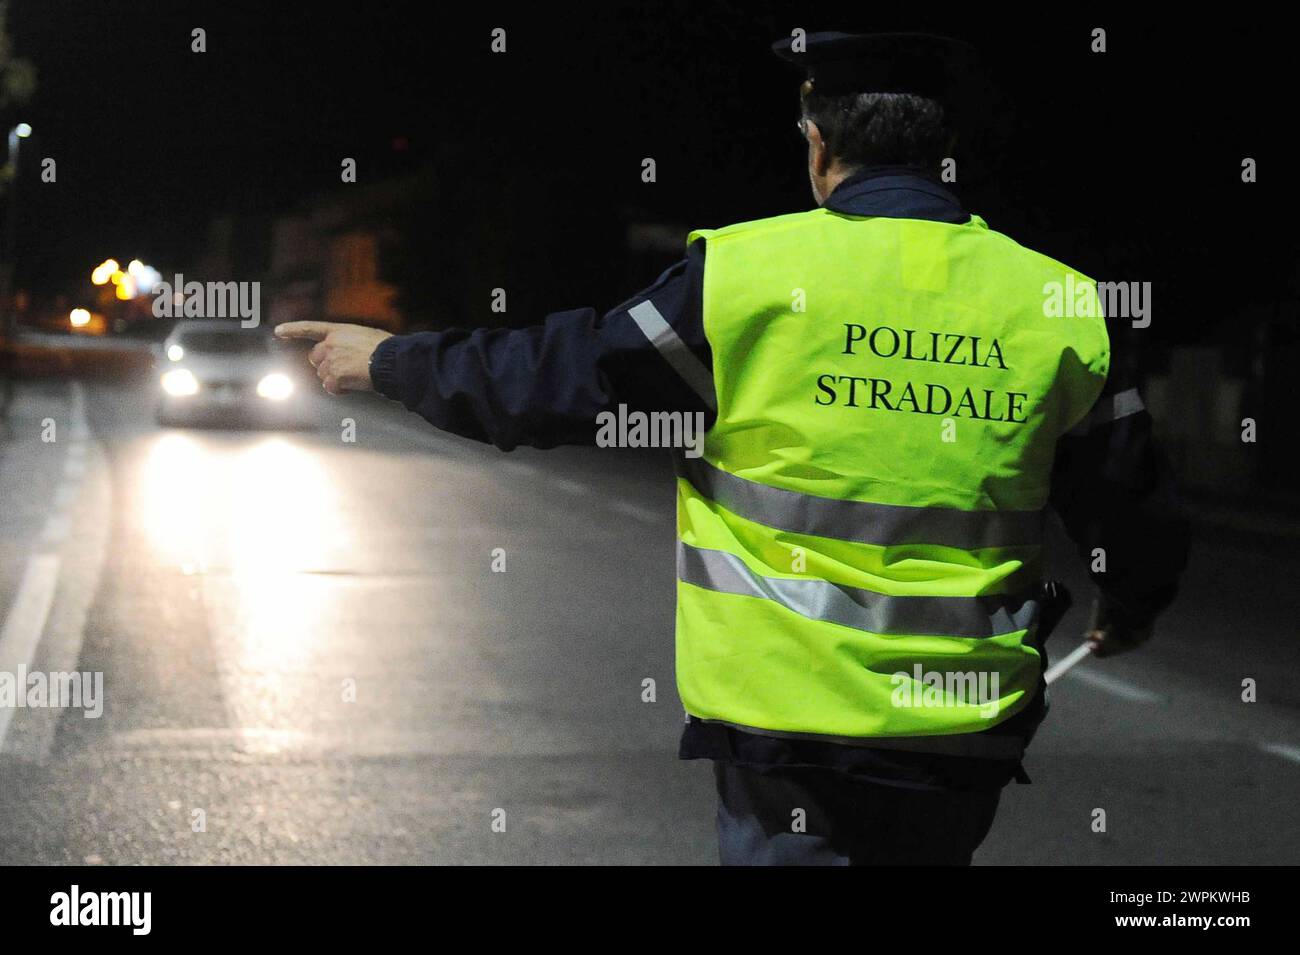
{"type": "Point", "coordinates": [540, 386]}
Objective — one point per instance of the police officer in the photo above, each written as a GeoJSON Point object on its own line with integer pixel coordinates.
{"type": "Point", "coordinates": [892, 404]}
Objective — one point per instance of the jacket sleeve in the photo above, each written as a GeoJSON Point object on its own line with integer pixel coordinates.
{"type": "Point", "coordinates": [544, 385]}
{"type": "Point", "coordinates": [1114, 491]}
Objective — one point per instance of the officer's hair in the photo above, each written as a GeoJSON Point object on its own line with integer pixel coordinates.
{"type": "Point", "coordinates": [881, 129]}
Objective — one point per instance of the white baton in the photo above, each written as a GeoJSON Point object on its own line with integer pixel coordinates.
{"type": "Point", "coordinates": [1065, 663]}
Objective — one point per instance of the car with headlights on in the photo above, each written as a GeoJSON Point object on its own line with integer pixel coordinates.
{"type": "Point", "coordinates": [216, 371]}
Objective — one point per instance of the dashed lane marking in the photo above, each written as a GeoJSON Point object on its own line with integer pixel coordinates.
{"type": "Point", "coordinates": [1115, 686]}
{"type": "Point", "coordinates": [29, 614]}
{"type": "Point", "coordinates": [519, 467]}
{"type": "Point", "coordinates": [636, 511]}
{"type": "Point", "coordinates": [26, 623]}
{"type": "Point", "coordinates": [1285, 750]}
{"type": "Point", "coordinates": [572, 487]}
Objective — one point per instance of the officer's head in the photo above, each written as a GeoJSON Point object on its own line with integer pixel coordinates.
{"type": "Point", "coordinates": [882, 99]}
{"type": "Point", "coordinates": [853, 130]}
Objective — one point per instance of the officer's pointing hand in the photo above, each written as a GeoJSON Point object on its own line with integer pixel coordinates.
{"type": "Point", "coordinates": [342, 353]}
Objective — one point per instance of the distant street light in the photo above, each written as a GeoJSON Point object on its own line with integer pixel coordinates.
{"type": "Point", "coordinates": [136, 279]}
{"type": "Point", "coordinates": [145, 276]}
{"type": "Point", "coordinates": [79, 317]}
{"type": "Point", "coordinates": [104, 271]}
{"type": "Point", "coordinates": [10, 317]}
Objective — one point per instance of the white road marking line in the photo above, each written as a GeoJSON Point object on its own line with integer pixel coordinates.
{"type": "Point", "coordinates": [1116, 686]}
{"type": "Point", "coordinates": [26, 622]}
{"type": "Point", "coordinates": [1285, 750]}
{"type": "Point", "coordinates": [573, 487]}
{"type": "Point", "coordinates": [30, 613]}
{"type": "Point", "coordinates": [636, 511]}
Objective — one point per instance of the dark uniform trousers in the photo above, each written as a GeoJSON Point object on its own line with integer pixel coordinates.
{"type": "Point", "coordinates": [806, 815]}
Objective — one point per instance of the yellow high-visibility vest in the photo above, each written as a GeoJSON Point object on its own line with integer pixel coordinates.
{"type": "Point", "coordinates": [859, 544]}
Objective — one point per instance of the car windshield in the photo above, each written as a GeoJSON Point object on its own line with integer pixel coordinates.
{"type": "Point", "coordinates": [224, 343]}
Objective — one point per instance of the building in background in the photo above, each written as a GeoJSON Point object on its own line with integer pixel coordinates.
{"type": "Point", "coordinates": [325, 259]}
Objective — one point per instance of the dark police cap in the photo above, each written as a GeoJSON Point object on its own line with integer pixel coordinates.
{"type": "Point", "coordinates": [843, 63]}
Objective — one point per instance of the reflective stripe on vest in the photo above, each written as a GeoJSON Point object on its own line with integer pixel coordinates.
{"type": "Point", "coordinates": [868, 523]}
{"type": "Point", "coordinates": [963, 617]}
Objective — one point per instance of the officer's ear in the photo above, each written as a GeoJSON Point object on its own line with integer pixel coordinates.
{"type": "Point", "coordinates": [819, 156]}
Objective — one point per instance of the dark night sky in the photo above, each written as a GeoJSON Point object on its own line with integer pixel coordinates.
{"type": "Point", "coordinates": [1126, 165]}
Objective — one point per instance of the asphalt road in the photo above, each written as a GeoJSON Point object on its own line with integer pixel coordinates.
{"type": "Point", "coordinates": [308, 657]}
